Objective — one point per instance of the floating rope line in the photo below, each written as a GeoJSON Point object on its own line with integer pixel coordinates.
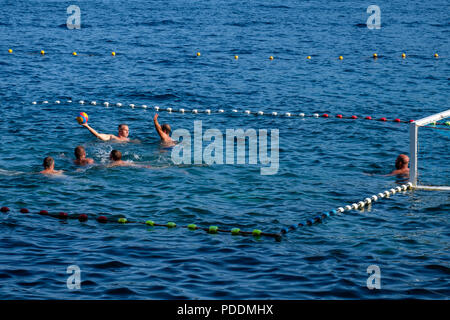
{"type": "Point", "coordinates": [103, 219]}
{"type": "Point", "coordinates": [233, 111]}
{"type": "Point", "coordinates": [354, 206]}
{"type": "Point", "coordinates": [235, 231]}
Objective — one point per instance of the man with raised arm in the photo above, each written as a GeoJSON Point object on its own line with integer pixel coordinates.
{"type": "Point", "coordinates": [121, 137]}
{"type": "Point", "coordinates": [164, 133]}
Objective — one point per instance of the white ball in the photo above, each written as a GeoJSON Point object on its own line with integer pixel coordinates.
{"type": "Point", "coordinates": [69, 101]}
{"type": "Point", "coordinates": [156, 108]}
{"type": "Point", "coordinates": [144, 106]}
{"type": "Point", "coordinates": [221, 111]}
{"type": "Point", "coordinates": [81, 102]}
{"type": "Point", "coordinates": [374, 198]}
{"type": "Point", "coordinates": [234, 110]}
{"type": "Point", "coordinates": [45, 102]}
{"type": "Point", "coordinates": [260, 113]}
{"type": "Point", "coordinates": [94, 103]}
{"type": "Point", "coordinates": [106, 104]}
{"type": "Point", "coordinates": [354, 206]}
{"type": "Point", "coordinates": [381, 195]}
{"type": "Point", "coordinates": [340, 209]}
{"type": "Point", "coordinates": [195, 111]}
{"type": "Point", "coordinates": [274, 113]}
{"type": "Point", "coordinates": [169, 109]}
{"type": "Point", "coordinates": [34, 102]}
{"type": "Point", "coordinates": [208, 111]}
{"type": "Point", "coordinates": [57, 102]}
{"type": "Point", "coordinates": [118, 104]}
{"type": "Point", "coordinates": [132, 105]}
{"type": "Point", "coordinates": [302, 115]}
{"type": "Point", "coordinates": [348, 208]}
{"type": "Point", "coordinates": [182, 110]}
{"type": "Point", "coordinates": [368, 200]}
{"type": "Point", "coordinates": [247, 112]}
{"type": "Point", "coordinates": [288, 114]}
{"type": "Point", "coordinates": [316, 115]}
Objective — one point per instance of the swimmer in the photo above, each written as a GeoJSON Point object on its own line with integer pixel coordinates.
{"type": "Point", "coordinates": [122, 135]}
{"type": "Point", "coordinates": [80, 155]}
{"type": "Point", "coordinates": [401, 166]}
{"type": "Point", "coordinates": [49, 167]}
{"type": "Point", "coordinates": [164, 133]}
{"type": "Point", "coordinates": [116, 161]}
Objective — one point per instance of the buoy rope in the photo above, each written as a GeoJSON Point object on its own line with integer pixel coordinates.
{"type": "Point", "coordinates": [355, 206]}
{"type": "Point", "coordinates": [104, 219]}
{"type": "Point", "coordinates": [234, 112]}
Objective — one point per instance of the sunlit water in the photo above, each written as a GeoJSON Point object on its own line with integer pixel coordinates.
{"type": "Point", "coordinates": [324, 163]}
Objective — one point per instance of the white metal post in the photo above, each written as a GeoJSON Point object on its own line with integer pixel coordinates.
{"type": "Point", "coordinates": [413, 135]}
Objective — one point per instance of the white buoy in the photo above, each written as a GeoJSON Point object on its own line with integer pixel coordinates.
{"type": "Point", "coordinates": [57, 102]}
{"type": "Point", "coordinates": [106, 104]}
{"type": "Point", "coordinates": [288, 114]}
{"type": "Point", "coordinates": [386, 193]}
{"type": "Point", "coordinates": [340, 209]}
{"type": "Point", "coordinates": [132, 106]}
{"type": "Point", "coordinates": [234, 110]}
{"type": "Point", "coordinates": [34, 102]}
{"type": "Point", "coordinates": [156, 108]}
{"type": "Point", "coordinates": [169, 109]}
{"type": "Point", "coordinates": [208, 111]}
{"type": "Point", "coordinates": [409, 185]}
{"type": "Point", "coordinates": [260, 113]}
{"type": "Point", "coordinates": [316, 115]}
{"type": "Point", "coordinates": [404, 187]}
{"type": "Point", "coordinates": [374, 198]}
{"type": "Point", "coordinates": [354, 206]}
{"type": "Point", "coordinates": [45, 102]}
{"type": "Point", "coordinates": [361, 204]}
{"type": "Point", "coordinates": [398, 189]}
{"type": "Point", "coordinates": [274, 113]}
{"type": "Point", "coordinates": [69, 101]}
{"type": "Point", "coordinates": [195, 111]}
{"type": "Point", "coordinates": [381, 195]}
{"type": "Point", "coordinates": [368, 201]}
{"type": "Point", "coordinates": [247, 112]}
{"type": "Point", "coordinates": [347, 207]}
{"type": "Point", "coordinates": [81, 102]}
{"type": "Point", "coordinates": [94, 103]}
{"type": "Point", "coordinates": [393, 191]}
{"type": "Point", "coordinates": [144, 106]}
{"type": "Point", "coordinates": [302, 115]}
{"type": "Point", "coordinates": [182, 110]}
{"type": "Point", "coordinates": [118, 104]}
{"type": "Point", "coordinates": [221, 111]}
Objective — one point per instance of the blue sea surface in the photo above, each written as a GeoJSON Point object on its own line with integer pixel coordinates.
{"type": "Point", "coordinates": [324, 163]}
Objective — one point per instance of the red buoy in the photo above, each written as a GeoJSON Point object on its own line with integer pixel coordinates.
{"type": "Point", "coordinates": [102, 219]}
{"type": "Point", "coordinates": [43, 212]}
{"type": "Point", "coordinates": [24, 210]}
{"type": "Point", "coordinates": [354, 117]}
{"type": "Point", "coordinates": [4, 209]}
{"type": "Point", "coordinates": [62, 215]}
{"type": "Point", "coordinates": [82, 217]}
{"type": "Point", "coordinates": [383, 119]}
{"type": "Point", "coordinates": [368, 118]}
{"type": "Point", "coordinates": [325, 115]}
{"type": "Point", "coordinates": [411, 120]}
{"type": "Point", "coordinates": [339, 116]}
{"type": "Point", "coordinates": [397, 120]}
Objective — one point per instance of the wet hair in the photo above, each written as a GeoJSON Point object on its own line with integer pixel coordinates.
{"type": "Point", "coordinates": [79, 152]}
{"type": "Point", "coordinates": [166, 128]}
{"type": "Point", "coordinates": [48, 162]}
{"type": "Point", "coordinates": [401, 160]}
{"type": "Point", "coordinates": [122, 125]}
{"type": "Point", "coordinates": [116, 155]}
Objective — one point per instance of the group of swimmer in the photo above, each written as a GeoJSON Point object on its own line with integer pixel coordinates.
{"type": "Point", "coordinates": [401, 163]}
{"type": "Point", "coordinates": [115, 156]}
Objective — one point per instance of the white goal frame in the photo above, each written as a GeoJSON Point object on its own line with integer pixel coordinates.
{"type": "Point", "coordinates": [413, 143]}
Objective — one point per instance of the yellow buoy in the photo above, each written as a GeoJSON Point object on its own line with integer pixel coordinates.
{"type": "Point", "coordinates": [10, 50]}
{"type": "Point", "coordinates": [74, 53]}
{"type": "Point", "coordinates": [271, 57]}
{"type": "Point", "coordinates": [375, 55]}
{"type": "Point", "coordinates": [198, 54]}
{"type": "Point", "coordinates": [236, 57]}
{"type": "Point", "coordinates": [113, 53]}
{"type": "Point", "coordinates": [436, 55]}
{"type": "Point", "coordinates": [42, 52]}
{"type": "Point", "coordinates": [341, 58]}
{"type": "Point", "coordinates": [403, 55]}
{"type": "Point", "coordinates": [308, 57]}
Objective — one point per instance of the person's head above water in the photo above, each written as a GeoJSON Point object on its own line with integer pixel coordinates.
{"type": "Point", "coordinates": [123, 130]}
{"type": "Point", "coordinates": [115, 155]}
{"type": "Point", "coordinates": [80, 152]}
{"type": "Point", "coordinates": [48, 163]}
{"type": "Point", "coordinates": [166, 128]}
{"type": "Point", "coordinates": [402, 161]}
